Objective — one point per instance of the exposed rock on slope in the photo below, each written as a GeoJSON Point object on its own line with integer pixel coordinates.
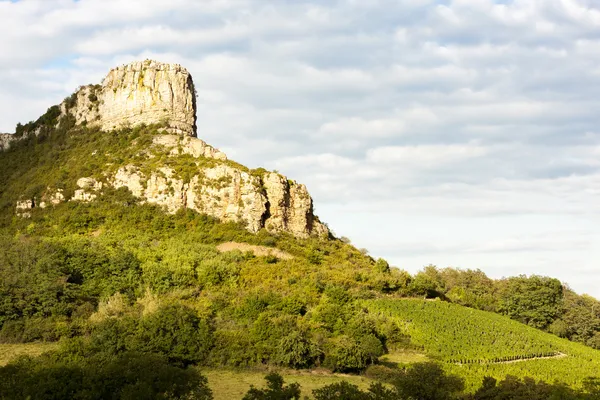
{"type": "Point", "coordinates": [163, 94]}
{"type": "Point", "coordinates": [230, 194]}
{"type": "Point", "coordinates": [186, 145]}
{"type": "Point", "coordinates": [5, 140]}
{"type": "Point", "coordinates": [145, 92]}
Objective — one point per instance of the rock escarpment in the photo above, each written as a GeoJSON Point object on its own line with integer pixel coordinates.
{"type": "Point", "coordinates": [174, 169]}
{"type": "Point", "coordinates": [229, 193]}
{"type": "Point", "coordinates": [146, 92]}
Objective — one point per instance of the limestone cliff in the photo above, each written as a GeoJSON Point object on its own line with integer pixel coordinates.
{"type": "Point", "coordinates": [146, 92]}
{"type": "Point", "coordinates": [154, 93]}
{"type": "Point", "coordinates": [229, 193]}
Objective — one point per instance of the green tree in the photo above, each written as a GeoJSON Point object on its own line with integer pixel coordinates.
{"type": "Point", "coordinates": [176, 332]}
{"type": "Point", "coordinates": [533, 300]}
{"type": "Point", "coordinates": [275, 390]}
{"type": "Point", "coordinates": [347, 391]}
{"type": "Point", "coordinates": [296, 350]}
{"type": "Point", "coordinates": [346, 355]}
{"type": "Point", "coordinates": [128, 376]}
{"type": "Point", "coordinates": [427, 381]}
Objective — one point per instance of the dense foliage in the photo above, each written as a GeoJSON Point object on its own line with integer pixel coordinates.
{"type": "Point", "coordinates": [128, 376]}
{"type": "Point", "coordinates": [118, 271]}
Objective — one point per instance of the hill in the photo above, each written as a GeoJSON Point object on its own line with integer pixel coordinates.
{"type": "Point", "coordinates": [475, 344]}
{"type": "Point", "coordinates": [96, 143]}
{"type": "Point", "coordinates": [139, 248]}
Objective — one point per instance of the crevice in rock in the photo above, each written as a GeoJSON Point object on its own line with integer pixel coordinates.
{"type": "Point", "coordinates": [266, 215]}
{"type": "Point", "coordinates": [190, 83]}
{"type": "Point", "coordinates": [287, 201]}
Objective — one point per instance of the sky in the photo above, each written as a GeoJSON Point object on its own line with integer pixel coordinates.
{"type": "Point", "coordinates": [462, 133]}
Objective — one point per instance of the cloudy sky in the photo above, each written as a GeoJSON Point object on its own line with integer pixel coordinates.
{"type": "Point", "coordinates": [460, 133]}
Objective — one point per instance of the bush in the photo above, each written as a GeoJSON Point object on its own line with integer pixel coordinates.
{"type": "Point", "coordinates": [128, 376]}
{"type": "Point", "coordinates": [275, 390]}
{"type": "Point", "coordinates": [382, 266]}
{"type": "Point", "coordinates": [233, 348]}
{"type": "Point", "coordinates": [381, 373]}
{"type": "Point", "coordinates": [347, 391]}
{"type": "Point", "coordinates": [175, 332]}
{"type": "Point", "coordinates": [297, 351]}
{"type": "Point", "coordinates": [340, 390]}
{"type": "Point", "coordinates": [427, 381]}
{"type": "Point", "coordinates": [346, 355]}
{"type": "Point", "coordinates": [35, 329]}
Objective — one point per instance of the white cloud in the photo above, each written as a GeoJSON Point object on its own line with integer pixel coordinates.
{"type": "Point", "coordinates": [425, 156]}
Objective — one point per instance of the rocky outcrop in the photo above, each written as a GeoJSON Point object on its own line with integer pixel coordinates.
{"type": "Point", "coordinates": [230, 194]}
{"type": "Point", "coordinates": [146, 92]}
{"type": "Point", "coordinates": [177, 145]}
{"type": "Point", "coordinates": [150, 92]}
{"type": "Point", "coordinates": [24, 207]}
{"type": "Point", "coordinates": [5, 140]}
{"type": "Point", "coordinates": [88, 189]}
{"type": "Point", "coordinates": [290, 207]}
{"type": "Point", "coordinates": [223, 192]}
{"type": "Point", "coordinates": [52, 199]}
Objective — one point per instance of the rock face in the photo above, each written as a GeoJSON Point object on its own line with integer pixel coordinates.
{"type": "Point", "coordinates": [5, 141]}
{"type": "Point", "coordinates": [230, 194]}
{"type": "Point", "coordinates": [146, 92]}
{"type": "Point", "coordinates": [290, 207]}
{"type": "Point", "coordinates": [150, 92]}
{"type": "Point", "coordinates": [88, 189]}
{"type": "Point", "coordinates": [186, 145]}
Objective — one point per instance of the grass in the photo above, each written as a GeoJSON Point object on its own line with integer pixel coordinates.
{"type": "Point", "coordinates": [258, 251]}
{"type": "Point", "coordinates": [9, 352]}
{"type": "Point", "coordinates": [403, 357]}
{"type": "Point", "coordinates": [233, 384]}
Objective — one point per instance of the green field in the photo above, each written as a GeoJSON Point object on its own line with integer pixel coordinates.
{"type": "Point", "coordinates": [9, 352]}
{"type": "Point", "coordinates": [474, 344]}
{"type": "Point", "coordinates": [233, 384]}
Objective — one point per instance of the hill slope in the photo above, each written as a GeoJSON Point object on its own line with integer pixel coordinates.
{"type": "Point", "coordinates": [475, 344]}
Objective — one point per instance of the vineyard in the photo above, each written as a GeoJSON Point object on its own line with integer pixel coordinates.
{"type": "Point", "coordinates": [475, 343]}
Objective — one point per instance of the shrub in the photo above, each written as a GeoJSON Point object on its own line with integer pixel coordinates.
{"type": "Point", "coordinates": [176, 332]}
{"type": "Point", "coordinates": [346, 355]}
{"type": "Point", "coordinates": [128, 376]}
{"type": "Point", "coordinates": [296, 350]}
{"type": "Point", "coordinates": [381, 373]}
{"type": "Point", "coordinates": [340, 390]}
{"type": "Point", "coordinates": [382, 266]}
{"type": "Point", "coordinates": [347, 391]}
{"type": "Point", "coordinates": [233, 348]}
{"type": "Point", "coordinates": [275, 390]}
{"type": "Point", "coordinates": [427, 381]}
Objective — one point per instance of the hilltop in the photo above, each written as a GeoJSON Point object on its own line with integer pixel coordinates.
{"type": "Point", "coordinates": [137, 248]}
{"type": "Point", "coordinates": [169, 166]}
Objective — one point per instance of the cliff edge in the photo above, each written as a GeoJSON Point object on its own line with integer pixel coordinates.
{"type": "Point", "coordinates": [146, 92]}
